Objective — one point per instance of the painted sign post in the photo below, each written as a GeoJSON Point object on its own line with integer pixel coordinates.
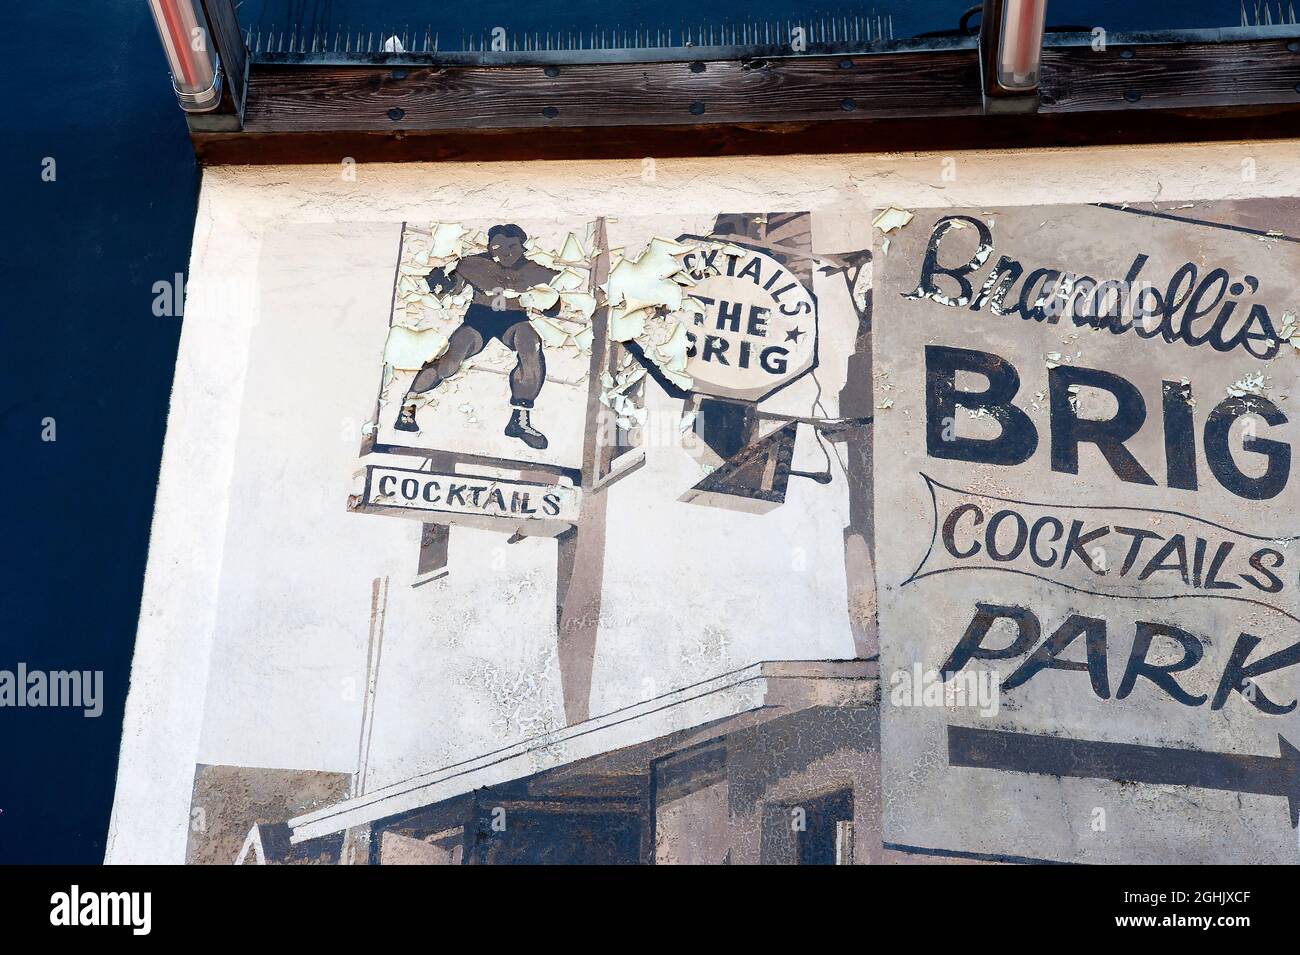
{"type": "Point", "coordinates": [1089, 608]}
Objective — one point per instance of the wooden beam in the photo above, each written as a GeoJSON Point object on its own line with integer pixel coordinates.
{"type": "Point", "coordinates": [1181, 76]}
{"type": "Point", "coordinates": [665, 142]}
{"type": "Point", "coordinates": [807, 104]}
{"type": "Point", "coordinates": [299, 99]}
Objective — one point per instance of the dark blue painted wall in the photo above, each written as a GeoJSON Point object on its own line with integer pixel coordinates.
{"type": "Point", "coordinates": [86, 85]}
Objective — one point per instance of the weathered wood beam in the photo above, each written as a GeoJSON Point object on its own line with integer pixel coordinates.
{"type": "Point", "coordinates": [797, 89]}
{"type": "Point", "coordinates": [805, 104]}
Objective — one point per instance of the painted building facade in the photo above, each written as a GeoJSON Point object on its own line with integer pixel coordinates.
{"type": "Point", "coordinates": [385, 622]}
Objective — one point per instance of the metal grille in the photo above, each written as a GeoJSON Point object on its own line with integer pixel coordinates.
{"type": "Point", "coordinates": [1267, 14]}
{"type": "Point", "coordinates": [296, 43]}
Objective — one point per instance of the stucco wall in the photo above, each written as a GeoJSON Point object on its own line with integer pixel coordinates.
{"type": "Point", "coordinates": [219, 678]}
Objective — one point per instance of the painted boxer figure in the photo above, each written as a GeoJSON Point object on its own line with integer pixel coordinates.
{"type": "Point", "coordinates": [503, 267]}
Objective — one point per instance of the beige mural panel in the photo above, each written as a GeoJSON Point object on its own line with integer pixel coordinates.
{"type": "Point", "coordinates": [1084, 427]}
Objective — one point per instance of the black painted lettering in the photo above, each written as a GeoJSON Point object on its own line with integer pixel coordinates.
{"type": "Point", "coordinates": [1018, 440]}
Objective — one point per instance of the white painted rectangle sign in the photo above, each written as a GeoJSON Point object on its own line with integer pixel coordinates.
{"type": "Point", "coordinates": [430, 495]}
{"type": "Point", "coordinates": [1085, 504]}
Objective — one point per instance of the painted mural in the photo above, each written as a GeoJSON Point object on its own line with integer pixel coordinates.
{"type": "Point", "coordinates": [1090, 597]}
{"type": "Point", "coordinates": [582, 426]}
{"type": "Point", "coordinates": [914, 535]}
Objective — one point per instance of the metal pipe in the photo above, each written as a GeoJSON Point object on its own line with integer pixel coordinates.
{"type": "Point", "coordinates": [1011, 46]}
{"type": "Point", "coordinates": [187, 42]}
{"type": "Point", "coordinates": [1022, 44]}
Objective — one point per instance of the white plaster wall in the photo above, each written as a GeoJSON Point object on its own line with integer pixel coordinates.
{"type": "Point", "coordinates": [207, 689]}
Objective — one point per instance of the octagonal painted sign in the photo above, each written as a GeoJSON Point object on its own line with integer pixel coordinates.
{"type": "Point", "coordinates": [758, 329]}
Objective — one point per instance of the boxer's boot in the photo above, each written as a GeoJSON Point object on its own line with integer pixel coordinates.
{"type": "Point", "coordinates": [521, 427]}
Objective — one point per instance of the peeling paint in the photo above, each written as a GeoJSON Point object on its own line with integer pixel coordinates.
{"type": "Point", "coordinates": [891, 219]}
